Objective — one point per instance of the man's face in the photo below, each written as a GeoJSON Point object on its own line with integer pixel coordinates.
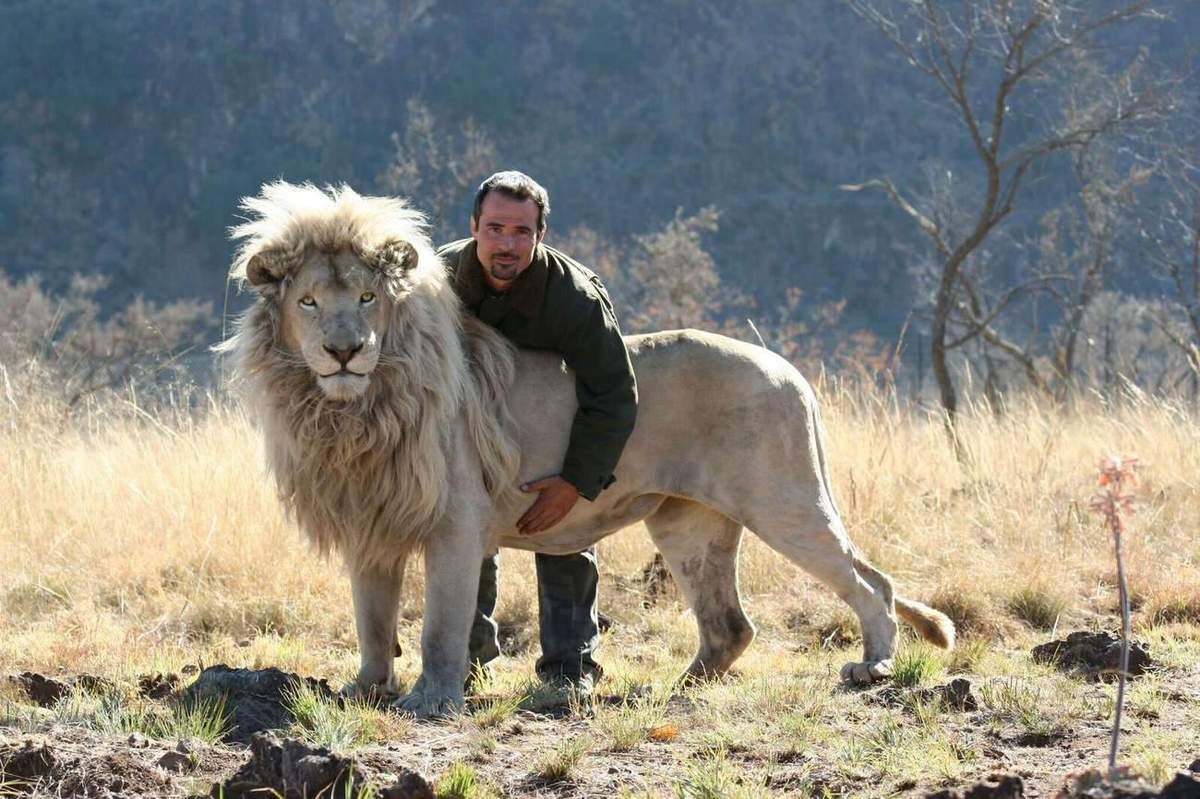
{"type": "Point", "coordinates": [505, 234]}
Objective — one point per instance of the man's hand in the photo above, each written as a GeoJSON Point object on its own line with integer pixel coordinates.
{"type": "Point", "coordinates": [555, 500]}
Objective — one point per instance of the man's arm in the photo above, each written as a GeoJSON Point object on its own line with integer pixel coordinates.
{"type": "Point", "coordinates": [607, 394]}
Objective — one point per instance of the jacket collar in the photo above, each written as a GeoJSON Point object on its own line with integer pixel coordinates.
{"type": "Point", "coordinates": [526, 294]}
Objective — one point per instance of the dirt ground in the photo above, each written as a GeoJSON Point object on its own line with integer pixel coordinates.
{"type": "Point", "coordinates": [75, 759]}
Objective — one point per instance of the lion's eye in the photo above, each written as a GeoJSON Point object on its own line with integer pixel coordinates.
{"type": "Point", "coordinates": [308, 302]}
{"type": "Point", "coordinates": [367, 297]}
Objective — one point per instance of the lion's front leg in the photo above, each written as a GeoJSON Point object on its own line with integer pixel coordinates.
{"type": "Point", "coordinates": [452, 560]}
{"type": "Point", "coordinates": [376, 603]}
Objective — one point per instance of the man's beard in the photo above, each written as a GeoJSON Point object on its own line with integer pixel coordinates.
{"type": "Point", "coordinates": [505, 271]}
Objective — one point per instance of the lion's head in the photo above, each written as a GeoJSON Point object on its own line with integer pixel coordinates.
{"type": "Point", "coordinates": [334, 307]}
{"type": "Point", "coordinates": [330, 268]}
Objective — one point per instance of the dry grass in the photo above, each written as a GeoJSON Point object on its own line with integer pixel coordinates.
{"type": "Point", "coordinates": [137, 542]}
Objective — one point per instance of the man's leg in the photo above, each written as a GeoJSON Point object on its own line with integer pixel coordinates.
{"type": "Point", "coordinates": [483, 645]}
{"type": "Point", "coordinates": [569, 631]}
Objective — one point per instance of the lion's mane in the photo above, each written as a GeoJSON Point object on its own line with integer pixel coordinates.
{"type": "Point", "coordinates": [369, 478]}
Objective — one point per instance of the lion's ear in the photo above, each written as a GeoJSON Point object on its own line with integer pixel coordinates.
{"type": "Point", "coordinates": [267, 267]}
{"type": "Point", "coordinates": [394, 255]}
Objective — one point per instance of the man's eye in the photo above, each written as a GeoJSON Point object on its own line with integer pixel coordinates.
{"type": "Point", "coordinates": [308, 302]}
{"type": "Point", "coordinates": [367, 297]}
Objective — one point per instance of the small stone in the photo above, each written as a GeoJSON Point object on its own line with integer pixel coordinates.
{"type": "Point", "coordinates": [409, 785]}
{"type": "Point", "coordinates": [176, 762]}
{"type": "Point", "coordinates": [190, 746]}
{"type": "Point", "coordinates": [997, 786]}
{"type": "Point", "coordinates": [157, 686]}
{"type": "Point", "coordinates": [41, 689]}
{"type": "Point", "coordinates": [31, 761]}
{"type": "Point", "coordinates": [1195, 767]}
{"type": "Point", "coordinates": [137, 741]}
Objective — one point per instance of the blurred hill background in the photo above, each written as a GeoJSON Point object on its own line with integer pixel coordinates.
{"type": "Point", "coordinates": [719, 130]}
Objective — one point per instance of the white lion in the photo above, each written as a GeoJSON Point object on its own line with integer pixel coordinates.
{"type": "Point", "coordinates": [395, 424]}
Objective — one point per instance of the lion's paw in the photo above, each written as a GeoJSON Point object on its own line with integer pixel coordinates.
{"type": "Point", "coordinates": [866, 673]}
{"type": "Point", "coordinates": [376, 694]}
{"type": "Point", "coordinates": [428, 704]}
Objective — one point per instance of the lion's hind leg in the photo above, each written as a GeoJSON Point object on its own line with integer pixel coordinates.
{"type": "Point", "coordinates": [700, 546]}
{"type": "Point", "coordinates": [815, 540]}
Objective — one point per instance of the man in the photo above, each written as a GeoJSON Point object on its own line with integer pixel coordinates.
{"type": "Point", "coordinates": [541, 299]}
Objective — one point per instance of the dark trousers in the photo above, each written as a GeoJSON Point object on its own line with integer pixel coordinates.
{"type": "Point", "coordinates": [569, 630]}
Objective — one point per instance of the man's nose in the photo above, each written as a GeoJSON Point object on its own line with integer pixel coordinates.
{"type": "Point", "coordinates": [343, 356]}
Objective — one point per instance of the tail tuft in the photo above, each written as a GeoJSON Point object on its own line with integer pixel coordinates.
{"type": "Point", "coordinates": [932, 625]}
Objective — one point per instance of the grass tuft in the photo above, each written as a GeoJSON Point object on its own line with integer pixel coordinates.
{"type": "Point", "coordinates": [558, 764]}
{"type": "Point", "coordinates": [460, 781]}
{"type": "Point", "coordinates": [916, 664]}
{"type": "Point", "coordinates": [1039, 607]}
{"type": "Point", "coordinates": [627, 725]}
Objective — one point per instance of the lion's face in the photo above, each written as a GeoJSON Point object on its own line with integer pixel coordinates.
{"type": "Point", "coordinates": [333, 308]}
{"type": "Point", "coordinates": [333, 314]}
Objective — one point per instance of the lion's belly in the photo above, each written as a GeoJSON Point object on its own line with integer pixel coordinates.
{"type": "Point", "coordinates": [711, 413]}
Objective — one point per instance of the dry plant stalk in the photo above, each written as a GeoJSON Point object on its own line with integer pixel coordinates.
{"type": "Point", "coordinates": [1115, 497]}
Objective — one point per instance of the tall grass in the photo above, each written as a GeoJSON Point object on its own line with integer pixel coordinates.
{"type": "Point", "coordinates": [127, 534]}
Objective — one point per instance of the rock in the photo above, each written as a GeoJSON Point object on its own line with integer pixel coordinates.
{"type": "Point", "coordinates": [1195, 766]}
{"type": "Point", "coordinates": [176, 762]}
{"type": "Point", "coordinates": [1184, 786]}
{"type": "Point", "coordinates": [1098, 655]}
{"type": "Point", "coordinates": [955, 696]}
{"type": "Point", "coordinates": [409, 785]}
{"type": "Point", "coordinates": [44, 691]}
{"type": "Point", "coordinates": [31, 761]}
{"type": "Point", "coordinates": [1097, 784]}
{"type": "Point", "coordinates": [157, 686]}
{"type": "Point", "coordinates": [293, 770]}
{"type": "Point", "coordinates": [137, 741]}
{"type": "Point", "coordinates": [254, 698]}
{"type": "Point", "coordinates": [191, 746]}
{"type": "Point", "coordinates": [997, 786]}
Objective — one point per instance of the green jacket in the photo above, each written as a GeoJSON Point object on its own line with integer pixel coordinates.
{"type": "Point", "coordinates": [557, 304]}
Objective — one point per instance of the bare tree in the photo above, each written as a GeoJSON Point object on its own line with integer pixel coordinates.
{"type": "Point", "coordinates": [980, 54]}
{"type": "Point", "coordinates": [1170, 235]}
{"type": "Point", "coordinates": [438, 167]}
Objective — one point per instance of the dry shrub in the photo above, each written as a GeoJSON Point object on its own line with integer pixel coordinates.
{"type": "Point", "coordinates": [1173, 607]}
{"type": "Point", "coordinates": [970, 610]}
{"type": "Point", "coordinates": [1040, 607]}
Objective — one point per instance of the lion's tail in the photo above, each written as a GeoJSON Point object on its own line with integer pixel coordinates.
{"type": "Point", "coordinates": [932, 625]}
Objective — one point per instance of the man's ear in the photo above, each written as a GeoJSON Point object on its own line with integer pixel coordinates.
{"type": "Point", "coordinates": [268, 267]}
{"type": "Point", "coordinates": [394, 255]}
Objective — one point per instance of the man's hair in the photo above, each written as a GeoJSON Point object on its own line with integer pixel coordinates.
{"type": "Point", "coordinates": [518, 186]}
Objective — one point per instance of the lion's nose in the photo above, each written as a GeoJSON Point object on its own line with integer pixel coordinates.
{"type": "Point", "coordinates": [343, 356]}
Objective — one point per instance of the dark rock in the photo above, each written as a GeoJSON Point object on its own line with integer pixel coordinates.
{"type": "Point", "coordinates": [293, 770]}
{"type": "Point", "coordinates": [255, 698]}
{"type": "Point", "coordinates": [177, 762]}
{"type": "Point", "coordinates": [1195, 766]}
{"type": "Point", "coordinates": [409, 785]}
{"type": "Point", "coordinates": [1097, 784]}
{"type": "Point", "coordinates": [1184, 786]}
{"type": "Point", "coordinates": [137, 741]}
{"type": "Point", "coordinates": [29, 762]}
{"type": "Point", "coordinates": [157, 686]}
{"type": "Point", "coordinates": [94, 684]}
{"type": "Point", "coordinates": [997, 786]}
{"type": "Point", "coordinates": [44, 691]}
{"type": "Point", "coordinates": [955, 696]}
{"type": "Point", "coordinates": [1098, 655]}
